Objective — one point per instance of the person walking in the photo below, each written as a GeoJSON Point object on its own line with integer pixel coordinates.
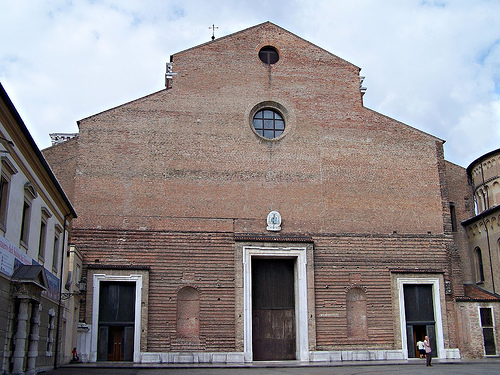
{"type": "Point", "coordinates": [421, 348]}
{"type": "Point", "coordinates": [428, 351]}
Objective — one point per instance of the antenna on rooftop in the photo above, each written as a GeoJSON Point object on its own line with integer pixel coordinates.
{"type": "Point", "coordinates": [213, 27]}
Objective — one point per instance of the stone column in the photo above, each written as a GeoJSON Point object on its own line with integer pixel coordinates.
{"type": "Point", "coordinates": [33, 339]}
{"type": "Point", "coordinates": [20, 336]}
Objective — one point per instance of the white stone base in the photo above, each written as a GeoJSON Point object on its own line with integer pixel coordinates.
{"type": "Point", "coordinates": [314, 356]}
{"type": "Point", "coordinates": [150, 358]}
{"type": "Point", "coordinates": [355, 355]}
{"type": "Point", "coordinates": [192, 357]}
{"type": "Point", "coordinates": [371, 355]}
{"type": "Point", "coordinates": [450, 353]}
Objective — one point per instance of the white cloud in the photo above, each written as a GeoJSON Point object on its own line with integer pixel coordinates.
{"type": "Point", "coordinates": [434, 65]}
{"type": "Point", "coordinates": [474, 131]}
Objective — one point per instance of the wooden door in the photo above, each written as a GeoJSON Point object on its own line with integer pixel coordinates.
{"type": "Point", "coordinates": [273, 309]}
{"type": "Point", "coordinates": [115, 344]}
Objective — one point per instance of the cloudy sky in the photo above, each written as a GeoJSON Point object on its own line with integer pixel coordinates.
{"type": "Point", "coordinates": [432, 64]}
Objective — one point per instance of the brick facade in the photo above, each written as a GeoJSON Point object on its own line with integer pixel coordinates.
{"type": "Point", "coordinates": [178, 181]}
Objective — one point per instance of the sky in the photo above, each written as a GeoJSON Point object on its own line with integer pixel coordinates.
{"type": "Point", "coordinates": [432, 64]}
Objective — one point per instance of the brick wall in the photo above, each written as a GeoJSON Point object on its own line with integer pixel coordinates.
{"type": "Point", "coordinates": [63, 158]}
{"type": "Point", "coordinates": [203, 261]}
{"type": "Point", "coordinates": [344, 261]}
{"type": "Point", "coordinates": [460, 194]}
{"type": "Point", "coordinates": [171, 156]}
{"type": "Point", "coordinates": [469, 315]}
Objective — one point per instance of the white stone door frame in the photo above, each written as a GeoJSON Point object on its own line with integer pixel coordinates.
{"type": "Point", "coordinates": [301, 308]}
{"type": "Point", "coordinates": [436, 296]}
{"type": "Point", "coordinates": [97, 279]}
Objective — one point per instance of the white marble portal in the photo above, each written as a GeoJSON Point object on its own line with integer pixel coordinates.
{"type": "Point", "coordinates": [301, 308]}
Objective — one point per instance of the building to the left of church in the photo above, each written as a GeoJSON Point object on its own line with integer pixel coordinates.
{"type": "Point", "coordinates": [40, 275]}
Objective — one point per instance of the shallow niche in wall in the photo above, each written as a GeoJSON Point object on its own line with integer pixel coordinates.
{"type": "Point", "coordinates": [357, 327]}
{"type": "Point", "coordinates": [188, 313]}
{"type": "Point", "coordinates": [269, 120]}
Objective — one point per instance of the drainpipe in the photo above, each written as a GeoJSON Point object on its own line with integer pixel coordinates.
{"type": "Point", "coordinates": [63, 253]}
{"type": "Point", "coordinates": [489, 253]}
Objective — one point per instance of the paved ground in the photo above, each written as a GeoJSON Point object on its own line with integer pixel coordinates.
{"type": "Point", "coordinates": [480, 367]}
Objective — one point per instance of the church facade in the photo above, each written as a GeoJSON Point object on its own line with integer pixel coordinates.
{"type": "Point", "coordinates": [255, 210]}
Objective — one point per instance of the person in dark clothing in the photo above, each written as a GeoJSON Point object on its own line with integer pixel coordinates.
{"type": "Point", "coordinates": [428, 351]}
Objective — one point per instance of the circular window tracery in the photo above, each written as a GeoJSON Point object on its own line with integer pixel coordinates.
{"type": "Point", "coordinates": [269, 55]}
{"type": "Point", "coordinates": [268, 123]}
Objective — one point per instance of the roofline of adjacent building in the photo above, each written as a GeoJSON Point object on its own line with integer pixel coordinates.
{"type": "Point", "coordinates": [481, 215]}
{"type": "Point", "coordinates": [481, 158]}
{"type": "Point", "coordinates": [469, 299]}
{"type": "Point", "coordinates": [34, 147]}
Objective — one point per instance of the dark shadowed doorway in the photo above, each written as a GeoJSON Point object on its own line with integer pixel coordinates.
{"type": "Point", "coordinates": [419, 313]}
{"type": "Point", "coordinates": [115, 340]}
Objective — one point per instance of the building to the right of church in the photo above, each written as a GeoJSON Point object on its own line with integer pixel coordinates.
{"type": "Point", "coordinates": [481, 257]}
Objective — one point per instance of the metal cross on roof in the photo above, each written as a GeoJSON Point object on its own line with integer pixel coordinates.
{"type": "Point", "coordinates": [213, 27]}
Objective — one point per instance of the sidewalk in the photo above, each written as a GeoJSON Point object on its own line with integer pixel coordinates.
{"type": "Point", "coordinates": [275, 364]}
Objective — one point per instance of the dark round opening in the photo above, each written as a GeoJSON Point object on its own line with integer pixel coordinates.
{"type": "Point", "coordinates": [269, 55]}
